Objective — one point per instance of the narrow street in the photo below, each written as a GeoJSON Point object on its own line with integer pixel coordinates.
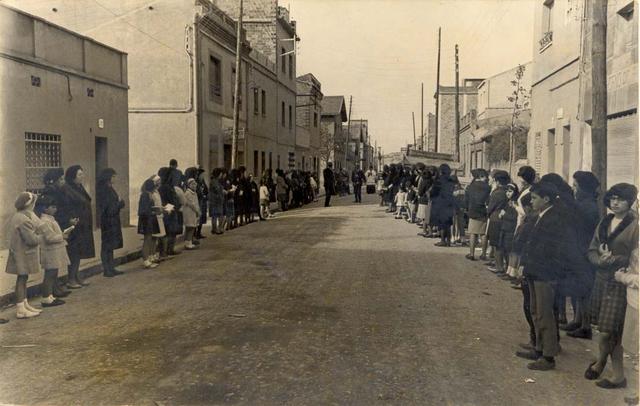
{"type": "Point", "coordinates": [343, 305]}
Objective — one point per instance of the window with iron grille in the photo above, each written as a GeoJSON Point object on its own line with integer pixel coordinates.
{"type": "Point", "coordinates": [42, 152]}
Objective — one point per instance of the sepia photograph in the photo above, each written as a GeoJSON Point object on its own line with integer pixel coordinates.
{"type": "Point", "coordinates": [319, 202]}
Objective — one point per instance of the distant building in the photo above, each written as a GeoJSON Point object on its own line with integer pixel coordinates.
{"type": "Point", "coordinates": [333, 140]}
{"type": "Point", "coordinates": [468, 99]}
{"type": "Point", "coordinates": [65, 104]}
{"type": "Point", "coordinates": [308, 114]}
{"type": "Point", "coordinates": [485, 130]}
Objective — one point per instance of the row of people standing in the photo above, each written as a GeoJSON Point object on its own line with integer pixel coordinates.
{"type": "Point", "coordinates": [54, 231]}
{"type": "Point", "coordinates": [549, 240]}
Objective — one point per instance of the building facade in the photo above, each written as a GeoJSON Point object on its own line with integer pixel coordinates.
{"type": "Point", "coordinates": [622, 92]}
{"type": "Point", "coordinates": [308, 114]}
{"type": "Point", "coordinates": [68, 105]}
{"type": "Point", "coordinates": [332, 139]}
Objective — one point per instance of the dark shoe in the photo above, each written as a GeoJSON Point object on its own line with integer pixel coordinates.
{"type": "Point", "coordinates": [195, 242]}
{"type": "Point", "coordinates": [74, 285]}
{"type": "Point", "coordinates": [505, 277]}
{"type": "Point", "coordinates": [483, 258]}
{"type": "Point", "coordinates": [200, 237]}
{"type": "Point", "coordinates": [580, 333]}
{"type": "Point", "coordinates": [108, 274]}
{"type": "Point", "coordinates": [607, 384]}
{"type": "Point", "coordinates": [4, 321]}
{"type": "Point", "coordinates": [174, 253]}
{"type": "Point", "coordinates": [591, 374]}
{"type": "Point", "coordinates": [527, 346]}
{"type": "Point", "coordinates": [531, 354]}
{"type": "Point", "coordinates": [442, 244]}
{"type": "Point", "coordinates": [470, 257]}
{"type": "Point", "coordinates": [117, 272]}
{"type": "Point", "coordinates": [62, 293]}
{"type": "Point", "coordinates": [541, 364]}
{"type": "Point", "coordinates": [571, 326]}
{"type": "Point", "coordinates": [56, 302]}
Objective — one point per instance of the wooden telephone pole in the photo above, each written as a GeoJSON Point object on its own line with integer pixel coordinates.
{"type": "Point", "coordinates": [348, 138]}
{"type": "Point", "coordinates": [599, 93]}
{"type": "Point", "coordinates": [457, 106]}
{"type": "Point", "coordinates": [421, 116]}
{"type": "Point", "coordinates": [413, 119]}
{"type": "Point", "coordinates": [437, 93]}
{"type": "Point", "coordinates": [236, 92]}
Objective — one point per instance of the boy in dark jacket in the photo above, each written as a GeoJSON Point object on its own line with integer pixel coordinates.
{"type": "Point", "coordinates": [543, 265]}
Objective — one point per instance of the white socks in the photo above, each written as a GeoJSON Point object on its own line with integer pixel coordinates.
{"type": "Point", "coordinates": [48, 300]}
{"type": "Point", "coordinates": [23, 313]}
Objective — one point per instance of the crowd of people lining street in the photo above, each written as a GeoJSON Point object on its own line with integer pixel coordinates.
{"type": "Point", "coordinates": [544, 236]}
{"type": "Point", "coordinates": [53, 230]}
{"type": "Point", "coordinates": [548, 239]}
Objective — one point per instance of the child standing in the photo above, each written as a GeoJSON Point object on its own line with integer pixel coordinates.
{"type": "Point", "coordinates": [190, 213]}
{"type": "Point", "coordinates": [150, 223]}
{"type": "Point", "coordinates": [264, 200]}
{"type": "Point", "coordinates": [53, 251]}
{"type": "Point", "coordinates": [412, 202]}
{"type": "Point", "coordinates": [23, 251]}
{"type": "Point", "coordinates": [509, 219]}
{"type": "Point", "coordinates": [400, 201]}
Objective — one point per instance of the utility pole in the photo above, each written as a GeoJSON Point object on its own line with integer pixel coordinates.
{"type": "Point", "coordinates": [413, 119]}
{"type": "Point", "coordinates": [457, 103]}
{"type": "Point", "coordinates": [437, 93]}
{"type": "Point", "coordinates": [421, 115]}
{"type": "Point", "coordinates": [236, 92]}
{"type": "Point", "coordinates": [599, 93]}
{"type": "Point", "coordinates": [346, 150]}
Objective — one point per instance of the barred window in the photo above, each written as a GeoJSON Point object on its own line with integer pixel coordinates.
{"type": "Point", "coordinates": [42, 152]}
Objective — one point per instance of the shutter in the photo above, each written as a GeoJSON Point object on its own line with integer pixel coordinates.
{"type": "Point", "coordinates": [622, 150]}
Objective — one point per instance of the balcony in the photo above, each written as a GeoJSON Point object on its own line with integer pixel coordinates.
{"type": "Point", "coordinates": [545, 42]}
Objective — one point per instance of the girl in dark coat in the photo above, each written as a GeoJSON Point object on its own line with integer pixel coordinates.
{"type": "Point", "coordinates": [476, 199]}
{"type": "Point", "coordinates": [53, 181]}
{"type": "Point", "coordinates": [443, 205]}
{"type": "Point", "coordinates": [109, 205]}
{"type": "Point", "coordinates": [148, 222]}
{"type": "Point", "coordinates": [509, 220]}
{"type": "Point", "coordinates": [613, 243]}
{"type": "Point", "coordinates": [77, 205]}
{"type": "Point", "coordinates": [170, 217]}
{"type": "Point", "coordinates": [497, 202]}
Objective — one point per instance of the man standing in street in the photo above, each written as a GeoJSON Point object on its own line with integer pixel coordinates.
{"type": "Point", "coordinates": [357, 177]}
{"type": "Point", "coordinates": [329, 184]}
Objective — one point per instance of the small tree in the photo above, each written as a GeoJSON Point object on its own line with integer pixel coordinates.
{"type": "Point", "coordinates": [328, 145]}
{"type": "Point", "coordinates": [520, 100]}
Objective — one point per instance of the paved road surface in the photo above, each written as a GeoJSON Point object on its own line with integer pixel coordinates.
{"type": "Point", "coordinates": [340, 306]}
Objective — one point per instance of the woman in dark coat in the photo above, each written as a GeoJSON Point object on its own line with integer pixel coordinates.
{"type": "Point", "coordinates": [443, 205]}
{"type": "Point", "coordinates": [171, 219]}
{"type": "Point", "coordinates": [497, 201]}
{"type": "Point", "coordinates": [585, 189]}
{"type": "Point", "coordinates": [53, 181]}
{"type": "Point", "coordinates": [615, 239]}
{"type": "Point", "coordinates": [77, 204]}
{"type": "Point", "coordinates": [109, 205]}
{"type": "Point", "coordinates": [216, 201]}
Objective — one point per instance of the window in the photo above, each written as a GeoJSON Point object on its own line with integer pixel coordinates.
{"type": "Point", "coordinates": [255, 101]}
{"type": "Point", "coordinates": [315, 119]}
{"type": "Point", "coordinates": [291, 66]}
{"type": "Point", "coordinates": [282, 117]}
{"type": "Point", "coordinates": [566, 151]}
{"type": "Point", "coordinates": [270, 160]}
{"type": "Point", "coordinates": [551, 150]}
{"type": "Point", "coordinates": [215, 79]}
{"type": "Point", "coordinates": [42, 152]}
{"type": "Point", "coordinates": [278, 162]}
{"type": "Point", "coordinates": [284, 61]}
{"type": "Point", "coordinates": [264, 103]}
{"type": "Point", "coordinates": [290, 117]}
{"type": "Point", "coordinates": [264, 161]}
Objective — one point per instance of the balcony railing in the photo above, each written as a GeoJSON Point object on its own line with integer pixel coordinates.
{"type": "Point", "coordinates": [546, 40]}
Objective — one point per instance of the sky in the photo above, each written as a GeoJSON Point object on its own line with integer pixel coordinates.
{"type": "Point", "coordinates": [380, 51]}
